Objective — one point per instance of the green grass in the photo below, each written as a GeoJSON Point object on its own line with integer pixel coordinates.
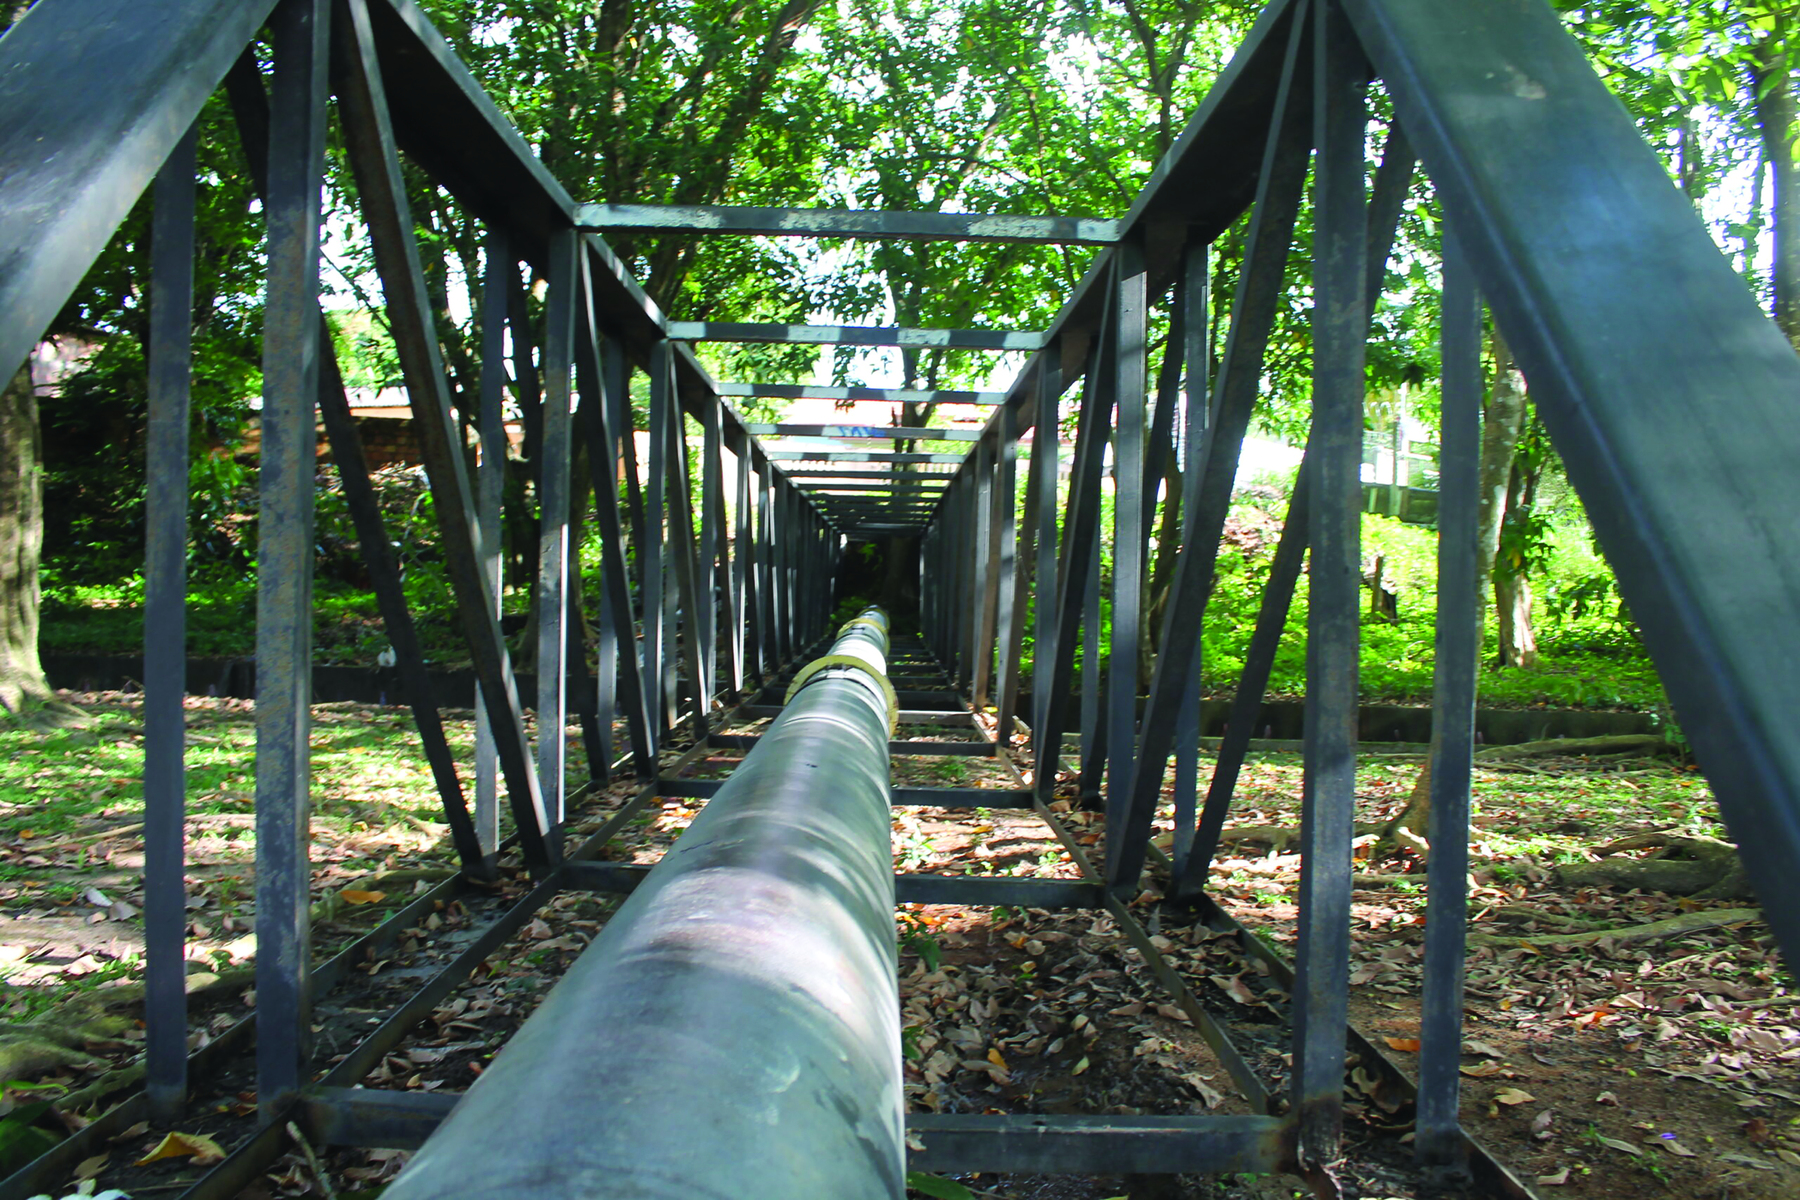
{"type": "Point", "coordinates": [1590, 658]}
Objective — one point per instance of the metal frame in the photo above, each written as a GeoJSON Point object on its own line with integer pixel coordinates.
{"type": "Point", "coordinates": [706, 606]}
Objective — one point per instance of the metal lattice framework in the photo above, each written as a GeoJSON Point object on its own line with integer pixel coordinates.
{"type": "Point", "coordinates": [1667, 393]}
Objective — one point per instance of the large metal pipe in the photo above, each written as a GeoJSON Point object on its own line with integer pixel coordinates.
{"type": "Point", "coordinates": [734, 1030]}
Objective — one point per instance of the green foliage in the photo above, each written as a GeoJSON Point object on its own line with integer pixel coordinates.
{"type": "Point", "coordinates": [917, 938]}
{"type": "Point", "coordinates": [25, 1134]}
{"type": "Point", "coordinates": [93, 433]}
{"type": "Point", "coordinates": [1584, 665]}
{"type": "Point", "coordinates": [937, 1187]}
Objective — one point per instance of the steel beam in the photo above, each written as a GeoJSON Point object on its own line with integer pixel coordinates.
{"type": "Point", "coordinates": [1083, 1145]}
{"type": "Point", "coordinates": [490, 482]}
{"type": "Point", "coordinates": [1340, 328]}
{"type": "Point", "coordinates": [94, 96]}
{"type": "Point", "coordinates": [1671, 405]}
{"type": "Point", "coordinates": [822, 489]}
{"type": "Point", "coordinates": [835, 223]}
{"type": "Point", "coordinates": [892, 433]}
{"type": "Point", "coordinates": [284, 560]}
{"type": "Point", "coordinates": [855, 335]}
{"type": "Point", "coordinates": [375, 162]}
{"type": "Point", "coordinates": [858, 456]}
{"type": "Point", "coordinates": [807, 391]}
{"type": "Point", "coordinates": [1439, 1142]}
{"type": "Point", "coordinates": [165, 632]}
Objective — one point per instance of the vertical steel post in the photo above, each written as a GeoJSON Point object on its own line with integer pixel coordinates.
{"type": "Point", "coordinates": [299, 30]}
{"type": "Point", "coordinates": [689, 578]}
{"type": "Point", "coordinates": [1016, 547]}
{"type": "Point", "coordinates": [1438, 1143]}
{"type": "Point", "coordinates": [1075, 557]}
{"type": "Point", "coordinates": [603, 375]}
{"type": "Point", "coordinates": [743, 562]}
{"type": "Point", "coordinates": [651, 548]}
{"type": "Point", "coordinates": [554, 463]}
{"type": "Point", "coordinates": [1094, 726]}
{"type": "Point", "coordinates": [165, 633]}
{"type": "Point", "coordinates": [764, 570]}
{"type": "Point", "coordinates": [1340, 332]}
{"type": "Point", "coordinates": [1129, 520]}
{"type": "Point", "coordinates": [1196, 325]}
{"type": "Point", "coordinates": [490, 482]}
{"type": "Point", "coordinates": [990, 517]}
{"type": "Point", "coordinates": [1046, 445]}
{"type": "Point", "coordinates": [715, 553]}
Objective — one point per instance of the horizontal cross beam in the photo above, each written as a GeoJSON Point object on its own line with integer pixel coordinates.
{"type": "Point", "coordinates": [831, 488]}
{"type": "Point", "coordinates": [910, 433]}
{"type": "Point", "coordinates": [925, 499]}
{"type": "Point", "coordinates": [857, 335]}
{"type": "Point", "coordinates": [840, 223]}
{"type": "Point", "coordinates": [866, 512]}
{"type": "Point", "coordinates": [806, 391]}
{"type": "Point", "coordinates": [859, 476]}
{"type": "Point", "coordinates": [852, 456]}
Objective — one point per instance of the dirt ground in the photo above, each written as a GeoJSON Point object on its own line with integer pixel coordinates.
{"type": "Point", "coordinates": [1603, 1070]}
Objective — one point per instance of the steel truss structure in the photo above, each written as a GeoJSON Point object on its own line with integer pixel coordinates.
{"type": "Point", "coordinates": [1666, 391]}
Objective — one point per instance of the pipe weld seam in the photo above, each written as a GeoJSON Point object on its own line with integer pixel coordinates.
{"type": "Point", "coordinates": [817, 666]}
{"type": "Point", "coordinates": [871, 622]}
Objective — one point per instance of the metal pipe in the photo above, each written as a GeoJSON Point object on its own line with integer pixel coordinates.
{"type": "Point", "coordinates": [733, 1031]}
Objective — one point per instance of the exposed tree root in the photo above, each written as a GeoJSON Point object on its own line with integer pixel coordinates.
{"type": "Point", "coordinates": [1702, 867]}
{"type": "Point", "coordinates": [101, 1088]}
{"type": "Point", "coordinates": [1694, 922]}
{"type": "Point", "coordinates": [1279, 837]}
{"type": "Point", "coordinates": [1635, 744]}
{"type": "Point", "coordinates": [56, 1039]}
{"type": "Point", "coordinates": [1409, 828]}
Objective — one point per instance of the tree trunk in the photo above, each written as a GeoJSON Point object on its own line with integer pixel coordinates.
{"type": "Point", "coordinates": [22, 684]}
{"type": "Point", "coordinates": [1502, 425]}
{"type": "Point", "coordinates": [1772, 81]}
{"type": "Point", "coordinates": [1512, 597]}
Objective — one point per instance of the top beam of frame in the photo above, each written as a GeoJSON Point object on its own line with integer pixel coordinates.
{"type": "Point", "coordinates": [92, 99]}
{"type": "Point", "coordinates": [857, 335]}
{"type": "Point", "coordinates": [842, 456]}
{"type": "Point", "coordinates": [803, 391]}
{"type": "Point", "coordinates": [906, 433]}
{"type": "Point", "coordinates": [839, 223]}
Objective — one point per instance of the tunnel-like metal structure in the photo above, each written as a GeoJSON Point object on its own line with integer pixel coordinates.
{"type": "Point", "coordinates": [1668, 394]}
